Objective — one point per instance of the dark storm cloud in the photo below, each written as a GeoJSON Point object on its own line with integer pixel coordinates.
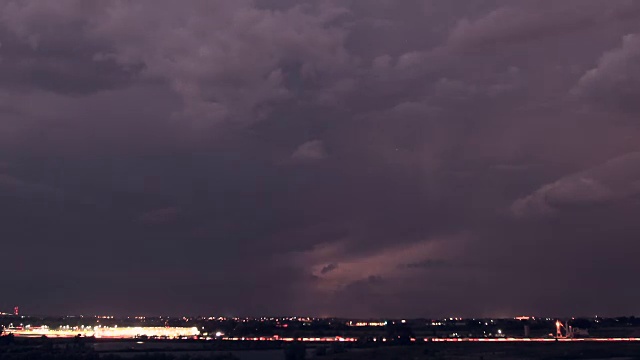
{"type": "Point", "coordinates": [160, 216]}
{"type": "Point", "coordinates": [328, 268]}
{"type": "Point", "coordinates": [617, 179]}
{"type": "Point", "coordinates": [316, 155]}
{"type": "Point", "coordinates": [424, 264]}
{"type": "Point", "coordinates": [59, 65]}
{"type": "Point", "coordinates": [613, 82]}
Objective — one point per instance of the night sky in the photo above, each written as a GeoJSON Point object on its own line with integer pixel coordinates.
{"type": "Point", "coordinates": [358, 158]}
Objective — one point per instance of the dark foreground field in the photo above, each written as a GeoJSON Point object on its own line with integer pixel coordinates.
{"type": "Point", "coordinates": [50, 349]}
{"type": "Point", "coordinates": [499, 351]}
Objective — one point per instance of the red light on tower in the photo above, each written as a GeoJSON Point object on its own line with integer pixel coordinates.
{"type": "Point", "coordinates": [16, 311]}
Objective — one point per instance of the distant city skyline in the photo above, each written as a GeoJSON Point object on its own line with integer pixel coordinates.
{"type": "Point", "coordinates": [375, 320]}
{"type": "Point", "coordinates": [278, 330]}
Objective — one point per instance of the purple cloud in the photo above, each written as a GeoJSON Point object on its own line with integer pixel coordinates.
{"type": "Point", "coordinates": [497, 137]}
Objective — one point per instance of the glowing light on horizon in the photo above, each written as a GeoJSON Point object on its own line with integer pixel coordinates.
{"type": "Point", "coordinates": [106, 332]}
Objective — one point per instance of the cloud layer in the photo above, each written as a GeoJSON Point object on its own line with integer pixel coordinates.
{"type": "Point", "coordinates": [443, 158]}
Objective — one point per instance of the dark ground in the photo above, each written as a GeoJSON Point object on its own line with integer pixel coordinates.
{"type": "Point", "coordinates": [50, 349]}
{"type": "Point", "coordinates": [499, 351]}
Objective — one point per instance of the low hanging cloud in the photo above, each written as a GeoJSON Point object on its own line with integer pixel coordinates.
{"type": "Point", "coordinates": [614, 84]}
{"type": "Point", "coordinates": [312, 150]}
{"type": "Point", "coordinates": [389, 263]}
{"type": "Point", "coordinates": [516, 23]}
{"type": "Point", "coordinates": [616, 179]}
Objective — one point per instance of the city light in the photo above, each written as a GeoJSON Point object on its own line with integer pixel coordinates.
{"type": "Point", "coordinates": [105, 332]}
{"type": "Point", "coordinates": [364, 323]}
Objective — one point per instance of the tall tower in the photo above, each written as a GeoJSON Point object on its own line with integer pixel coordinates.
{"type": "Point", "coordinates": [16, 311]}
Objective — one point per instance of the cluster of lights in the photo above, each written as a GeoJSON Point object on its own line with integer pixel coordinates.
{"type": "Point", "coordinates": [532, 339]}
{"type": "Point", "coordinates": [364, 323]}
{"type": "Point", "coordinates": [105, 332]}
{"type": "Point", "coordinates": [289, 339]}
{"type": "Point", "coordinates": [261, 319]}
